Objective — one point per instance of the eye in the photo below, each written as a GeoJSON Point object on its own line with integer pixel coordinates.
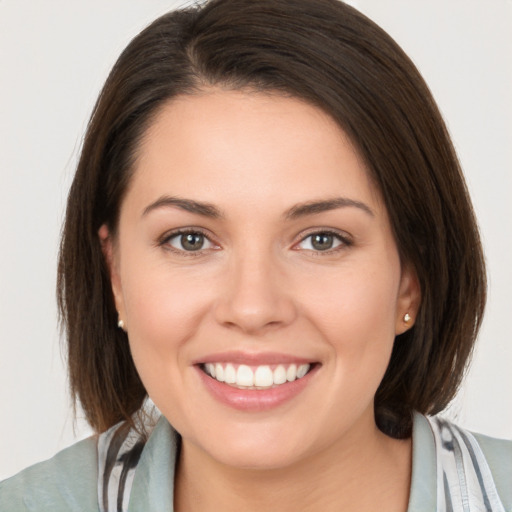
{"type": "Point", "coordinates": [189, 241]}
{"type": "Point", "coordinates": [322, 241]}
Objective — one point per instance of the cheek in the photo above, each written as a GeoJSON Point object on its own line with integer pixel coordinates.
{"type": "Point", "coordinates": [356, 317]}
{"type": "Point", "coordinates": [164, 311]}
{"type": "Point", "coordinates": [355, 313]}
{"type": "Point", "coordinates": [355, 303]}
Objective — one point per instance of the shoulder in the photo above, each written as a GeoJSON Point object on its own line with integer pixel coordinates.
{"type": "Point", "coordinates": [485, 462]}
{"type": "Point", "coordinates": [106, 466]}
{"type": "Point", "coordinates": [498, 454]}
{"type": "Point", "coordinates": [66, 482]}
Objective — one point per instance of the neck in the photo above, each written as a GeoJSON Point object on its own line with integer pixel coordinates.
{"type": "Point", "coordinates": [358, 474]}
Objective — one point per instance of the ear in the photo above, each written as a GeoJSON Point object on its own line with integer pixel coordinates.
{"type": "Point", "coordinates": [409, 300]}
{"type": "Point", "coordinates": [109, 253]}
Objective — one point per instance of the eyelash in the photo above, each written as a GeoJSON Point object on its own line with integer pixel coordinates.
{"type": "Point", "coordinates": [164, 241]}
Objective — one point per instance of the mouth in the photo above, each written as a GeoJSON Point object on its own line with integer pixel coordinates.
{"type": "Point", "coordinates": [256, 382]}
{"type": "Point", "coordinates": [261, 377]}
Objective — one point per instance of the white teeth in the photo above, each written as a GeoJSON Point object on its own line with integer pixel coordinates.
{"type": "Point", "coordinates": [259, 377]}
{"type": "Point", "coordinates": [280, 375]}
{"type": "Point", "coordinates": [302, 370]}
{"type": "Point", "coordinates": [219, 372]}
{"type": "Point", "coordinates": [263, 377]}
{"type": "Point", "coordinates": [244, 376]}
{"type": "Point", "coordinates": [230, 374]}
{"type": "Point", "coordinates": [291, 373]}
{"type": "Point", "coordinates": [210, 369]}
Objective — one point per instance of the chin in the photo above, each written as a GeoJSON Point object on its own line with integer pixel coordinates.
{"type": "Point", "coordinates": [257, 459]}
{"type": "Point", "coordinates": [256, 447]}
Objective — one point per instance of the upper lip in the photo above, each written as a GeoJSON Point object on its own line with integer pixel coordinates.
{"type": "Point", "coordinates": [252, 359]}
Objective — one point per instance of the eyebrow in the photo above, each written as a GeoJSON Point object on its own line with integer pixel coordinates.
{"type": "Point", "coordinates": [198, 207]}
{"type": "Point", "coordinates": [297, 211]}
{"type": "Point", "coordinates": [314, 207]}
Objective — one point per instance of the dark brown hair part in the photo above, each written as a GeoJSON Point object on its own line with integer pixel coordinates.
{"type": "Point", "coordinates": [330, 55]}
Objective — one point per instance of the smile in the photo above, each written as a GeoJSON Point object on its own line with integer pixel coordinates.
{"type": "Point", "coordinates": [255, 377]}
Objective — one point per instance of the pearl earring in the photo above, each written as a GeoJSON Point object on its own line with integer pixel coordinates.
{"type": "Point", "coordinates": [407, 318]}
{"type": "Point", "coordinates": [121, 325]}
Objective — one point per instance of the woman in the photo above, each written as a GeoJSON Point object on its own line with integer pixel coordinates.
{"type": "Point", "coordinates": [269, 234]}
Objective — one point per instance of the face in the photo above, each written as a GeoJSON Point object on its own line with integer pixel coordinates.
{"type": "Point", "coordinates": [258, 278]}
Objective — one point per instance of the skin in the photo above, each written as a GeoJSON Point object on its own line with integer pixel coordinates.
{"type": "Point", "coordinates": [259, 285]}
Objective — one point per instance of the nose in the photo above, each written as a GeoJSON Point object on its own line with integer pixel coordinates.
{"type": "Point", "coordinates": [257, 296]}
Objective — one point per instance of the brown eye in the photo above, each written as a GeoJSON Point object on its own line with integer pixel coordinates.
{"type": "Point", "coordinates": [189, 242]}
{"type": "Point", "coordinates": [192, 241]}
{"type": "Point", "coordinates": [322, 241]}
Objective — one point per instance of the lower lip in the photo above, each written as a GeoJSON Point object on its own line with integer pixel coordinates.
{"type": "Point", "coordinates": [255, 399]}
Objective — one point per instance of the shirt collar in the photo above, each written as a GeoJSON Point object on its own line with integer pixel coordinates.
{"type": "Point", "coordinates": [153, 485]}
{"type": "Point", "coordinates": [423, 494]}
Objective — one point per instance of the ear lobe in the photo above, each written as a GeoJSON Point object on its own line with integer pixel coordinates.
{"type": "Point", "coordinates": [409, 300]}
{"type": "Point", "coordinates": [107, 247]}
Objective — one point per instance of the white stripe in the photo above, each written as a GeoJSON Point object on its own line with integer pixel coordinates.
{"type": "Point", "coordinates": [454, 462]}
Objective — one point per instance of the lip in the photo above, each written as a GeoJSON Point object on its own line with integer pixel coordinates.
{"type": "Point", "coordinates": [252, 359]}
{"type": "Point", "coordinates": [255, 400]}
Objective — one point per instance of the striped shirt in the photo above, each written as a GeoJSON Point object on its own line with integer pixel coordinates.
{"type": "Point", "coordinates": [464, 479]}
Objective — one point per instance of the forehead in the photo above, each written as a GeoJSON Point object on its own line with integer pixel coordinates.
{"type": "Point", "coordinates": [224, 145]}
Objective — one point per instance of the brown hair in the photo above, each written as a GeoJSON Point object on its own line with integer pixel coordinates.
{"type": "Point", "coordinates": [330, 55]}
